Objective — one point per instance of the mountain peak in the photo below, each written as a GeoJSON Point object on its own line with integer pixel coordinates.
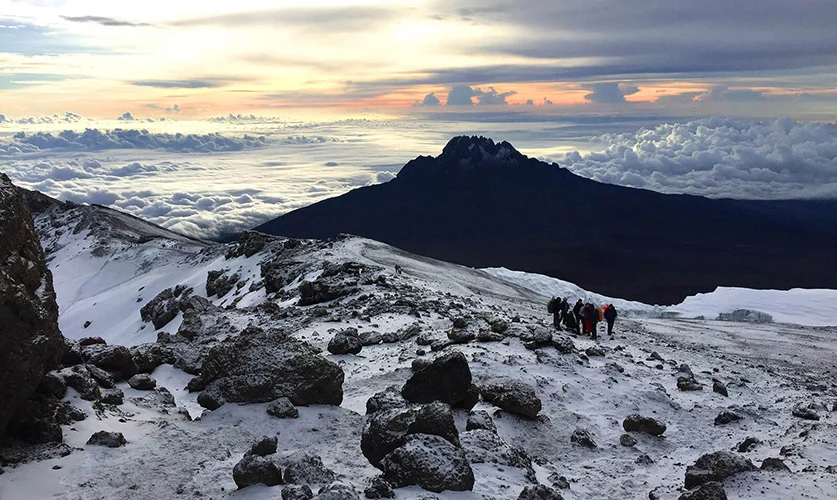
{"type": "Point", "coordinates": [464, 157]}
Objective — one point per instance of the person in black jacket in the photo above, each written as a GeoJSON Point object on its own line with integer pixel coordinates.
{"type": "Point", "coordinates": [591, 319]}
{"type": "Point", "coordinates": [610, 316]}
{"type": "Point", "coordinates": [571, 323]}
{"type": "Point", "coordinates": [577, 311]}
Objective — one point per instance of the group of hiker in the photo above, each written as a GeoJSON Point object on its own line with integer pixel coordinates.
{"type": "Point", "coordinates": [582, 316]}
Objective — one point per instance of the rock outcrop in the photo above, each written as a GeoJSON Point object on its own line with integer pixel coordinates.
{"type": "Point", "coordinates": [262, 365]}
{"type": "Point", "coordinates": [30, 341]}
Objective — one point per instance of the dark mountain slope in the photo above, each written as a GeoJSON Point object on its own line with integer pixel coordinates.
{"type": "Point", "coordinates": [484, 204]}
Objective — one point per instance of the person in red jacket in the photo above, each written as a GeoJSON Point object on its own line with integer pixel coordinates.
{"type": "Point", "coordinates": [591, 318]}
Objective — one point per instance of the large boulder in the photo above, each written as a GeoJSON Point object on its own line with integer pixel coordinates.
{"type": "Point", "coordinates": [79, 378]}
{"type": "Point", "coordinates": [706, 491]}
{"type": "Point", "coordinates": [446, 379]}
{"type": "Point", "coordinates": [30, 342]}
{"type": "Point", "coordinates": [387, 399]}
{"type": "Point", "coordinates": [142, 382]}
{"type": "Point", "coordinates": [484, 446]}
{"type": "Point", "coordinates": [115, 359]}
{"type": "Point", "coordinates": [301, 467]}
{"type": "Point", "coordinates": [147, 357]}
{"type": "Point", "coordinates": [648, 425]}
{"type": "Point", "coordinates": [254, 469]}
{"type": "Point", "coordinates": [539, 492]}
{"type": "Point", "coordinates": [262, 365]}
{"type": "Point", "coordinates": [109, 439]}
{"type": "Point", "coordinates": [430, 462]}
{"type": "Point", "coordinates": [345, 342]}
{"type": "Point", "coordinates": [716, 467]}
{"type": "Point", "coordinates": [282, 408]}
{"type": "Point", "coordinates": [480, 419]}
{"type": "Point", "coordinates": [387, 429]}
{"type": "Point", "coordinates": [164, 307]}
{"type": "Point", "coordinates": [512, 396]}
{"type": "Point", "coordinates": [319, 291]}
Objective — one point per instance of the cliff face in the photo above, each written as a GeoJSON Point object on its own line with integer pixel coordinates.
{"type": "Point", "coordinates": [30, 341]}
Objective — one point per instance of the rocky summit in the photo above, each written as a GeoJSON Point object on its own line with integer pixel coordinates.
{"type": "Point", "coordinates": [275, 367]}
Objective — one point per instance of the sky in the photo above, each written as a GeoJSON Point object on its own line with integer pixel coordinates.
{"type": "Point", "coordinates": [421, 58]}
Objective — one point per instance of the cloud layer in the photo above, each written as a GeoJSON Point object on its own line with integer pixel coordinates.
{"type": "Point", "coordinates": [98, 140]}
{"type": "Point", "coordinates": [719, 158]}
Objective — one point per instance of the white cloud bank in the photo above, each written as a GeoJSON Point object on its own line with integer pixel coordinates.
{"type": "Point", "coordinates": [719, 158]}
{"type": "Point", "coordinates": [98, 140]}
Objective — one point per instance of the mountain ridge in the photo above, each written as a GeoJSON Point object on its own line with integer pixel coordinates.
{"type": "Point", "coordinates": [471, 208]}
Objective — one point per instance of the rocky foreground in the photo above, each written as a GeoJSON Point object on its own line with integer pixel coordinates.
{"type": "Point", "coordinates": [284, 368]}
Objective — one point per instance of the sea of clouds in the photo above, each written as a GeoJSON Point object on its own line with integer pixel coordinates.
{"type": "Point", "coordinates": [215, 178]}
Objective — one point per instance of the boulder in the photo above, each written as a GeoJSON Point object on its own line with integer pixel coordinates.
{"type": "Point", "coordinates": [539, 492]}
{"type": "Point", "coordinates": [648, 425]}
{"type": "Point", "coordinates": [53, 385]}
{"type": "Point", "coordinates": [253, 469]}
{"type": "Point", "coordinates": [262, 365]}
{"type": "Point", "coordinates": [112, 396]}
{"type": "Point", "coordinates": [164, 307]}
{"type": "Point", "coordinates": [387, 399]}
{"type": "Point", "coordinates": [480, 419]}
{"type": "Point", "coordinates": [583, 438]}
{"type": "Point", "coordinates": [345, 342]}
{"type": "Point", "coordinates": [147, 357]}
{"type": "Point", "coordinates": [379, 488]}
{"type": "Point", "coordinates": [320, 291]}
{"type": "Point", "coordinates": [337, 491]}
{"type": "Point", "coordinates": [708, 491]}
{"type": "Point", "coordinates": [688, 384]}
{"type": "Point", "coordinates": [484, 446]}
{"type": "Point", "coordinates": [512, 396]}
{"type": "Point", "coordinates": [775, 464]}
{"type": "Point", "coordinates": [726, 417]}
{"type": "Point", "coordinates": [720, 388]}
{"type": "Point", "coordinates": [142, 382]}
{"type": "Point", "coordinates": [282, 408]}
{"type": "Point", "coordinates": [387, 429]}
{"type": "Point", "coordinates": [461, 336]}
{"type": "Point", "coordinates": [103, 378]}
{"type": "Point", "coordinates": [563, 344]}
{"type": "Point", "coordinates": [627, 440]}
{"type": "Point", "coordinates": [805, 412]}
{"type": "Point", "coordinates": [748, 444]}
{"type": "Point", "coordinates": [595, 351]}
{"type": "Point", "coordinates": [109, 439]}
{"type": "Point", "coordinates": [219, 283]}
{"type": "Point", "coordinates": [716, 467]}
{"type": "Point", "coordinates": [446, 379]}
{"type": "Point", "coordinates": [304, 468]}
{"type": "Point", "coordinates": [78, 377]}
{"type": "Point", "coordinates": [499, 325]}
{"type": "Point", "coordinates": [115, 359]}
{"type": "Point", "coordinates": [297, 492]}
{"type": "Point", "coordinates": [264, 446]}
{"type": "Point", "coordinates": [430, 462]}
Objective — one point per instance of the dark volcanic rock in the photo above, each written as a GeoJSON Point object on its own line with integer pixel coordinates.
{"type": "Point", "coordinates": [484, 446]}
{"type": "Point", "coordinates": [648, 425]}
{"type": "Point", "coordinates": [337, 491]}
{"type": "Point", "coordinates": [297, 492]}
{"type": "Point", "coordinates": [264, 446]}
{"type": "Point", "coordinates": [261, 365]}
{"type": "Point", "coordinates": [253, 469]}
{"type": "Point", "coordinates": [387, 399]}
{"type": "Point", "coordinates": [103, 378]}
{"type": "Point", "coordinates": [748, 444]}
{"type": "Point", "coordinates": [430, 462]}
{"type": "Point", "coordinates": [446, 379]}
{"type": "Point", "coordinates": [720, 388]}
{"type": "Point", "coordinates": [776, 464]}
{"type": "Point", "coordinates": [379, 488]}
{"type": "Point", "coordinates": [113, 396]}
{"type": "Point", "coordinates": [480, 419]}
{"type": "Point", "coordinates": [627, 440]}
{"type": "Point", "coordinates": [582, 437]}
{"type": "Point", "coordinates": [147, 357]}
{"type": "Point", "coordinates": [716, 467]}
{"type": "Point", "coordinates": [109, 439]}
{"type": "Point", "coordinates": [142, 382]}
{"type": "Point", "coordinates": [688, 384]}
{"type": "Point", "coordinates": [319, 291]}
{"type": "Point", "coordinates": [78, 377]}
{"type": "Point", "coordinates": [512, 396]}
{"type": "Point", "coordinates": [539, 492]}
{"type": "Point", "coordinates": [282, 408]}
{"type": "Point", "coordinates": [726, 417]}
{"type": "Point", "coordinates": [115, 359]}
{"type": "Point", "coordinates": [387, 429]}
{"type": "Point", "coordinates": [708, 491]}
{"type": "Point", "coordinates": [805, 413]}
{"type": "Point", "coordinates": [30, 342]}
{"type": "Point", "coordinates": [219, 283]}
{"type": "Point", "coordinates": [164, 307]}
{"type": "Point", "coordinates": [345, 342]}
{"type": "Point", "coordinates": [304, 468]}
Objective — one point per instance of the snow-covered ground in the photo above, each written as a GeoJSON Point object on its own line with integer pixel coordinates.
{"type": "Point", "coordinates": [768, 369]}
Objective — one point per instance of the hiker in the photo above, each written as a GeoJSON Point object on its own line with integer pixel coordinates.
{"type": "Point", "coordinates": [591, 318]}
{"type": "Point", "coordinates": [577, 311]}
{"type": "Point", "coordinates": [610, 316]}
{"type": "Point", "coordinates": [553, 307]}
{"type": "Point", "coordinates": [571, 324]}
{"type": "Point", "coordinates": [565, 308]}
